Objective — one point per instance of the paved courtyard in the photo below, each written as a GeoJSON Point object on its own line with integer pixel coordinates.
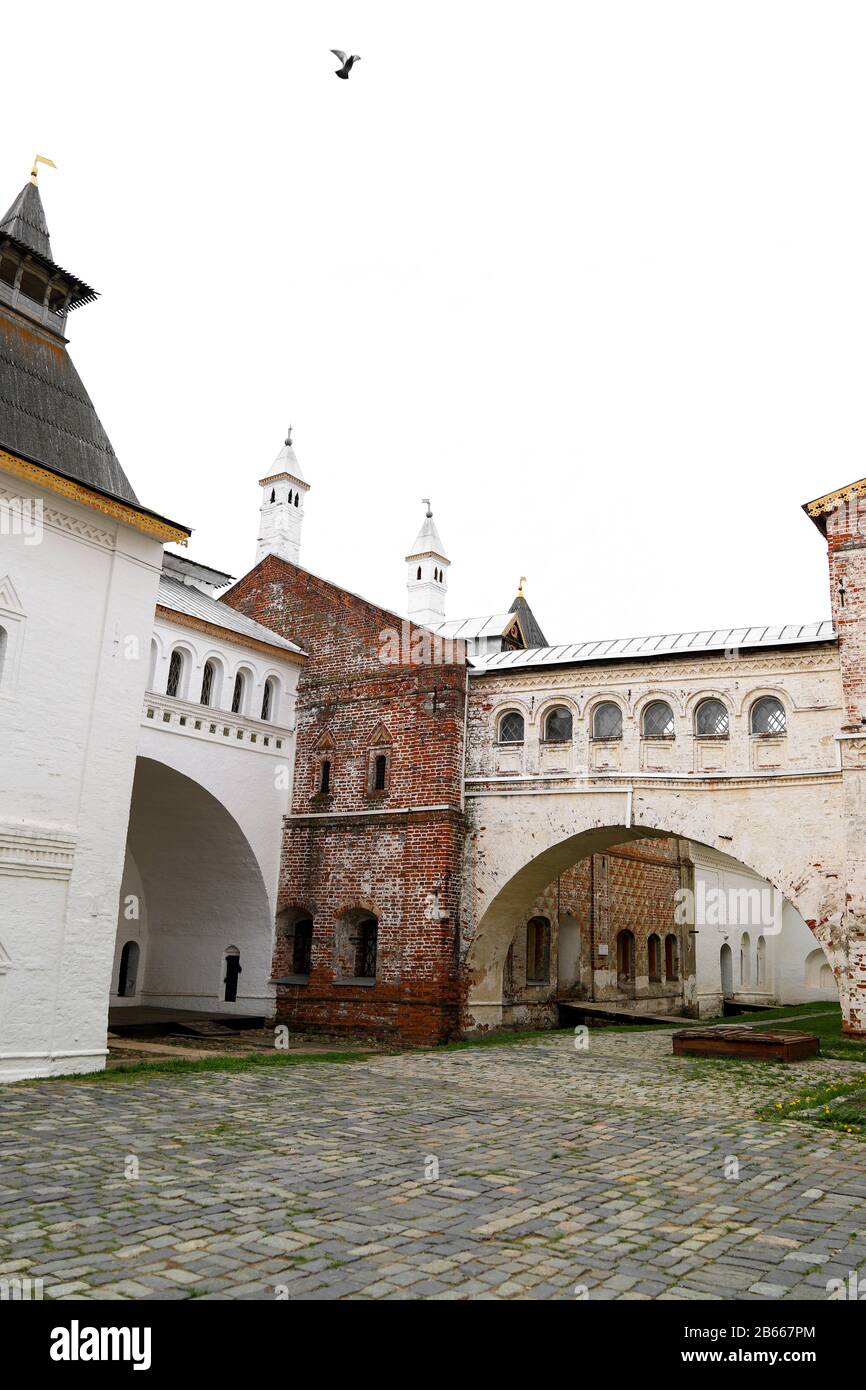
{"type": "Point", "coordinates": [558, 1171]}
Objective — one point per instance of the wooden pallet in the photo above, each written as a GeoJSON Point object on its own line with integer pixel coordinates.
{"type": "Point", "coordinates": [732, 1040]}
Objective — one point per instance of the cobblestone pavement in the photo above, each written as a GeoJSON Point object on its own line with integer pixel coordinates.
{"type": "Point", "coordinates": [557, 1169]}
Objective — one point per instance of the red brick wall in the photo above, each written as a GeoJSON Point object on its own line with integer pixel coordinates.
{"type": "Point", "coordinates": [846, 542]}
{"type": "Point", "coordinates": [355, 848]}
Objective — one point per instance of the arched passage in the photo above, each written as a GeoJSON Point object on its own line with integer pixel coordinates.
{"type": "Point", "coordinates": [193, 897]}
{"type": "Point", "coordinates": [510, 870]}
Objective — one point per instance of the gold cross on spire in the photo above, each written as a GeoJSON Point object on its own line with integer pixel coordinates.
{"type": "Point", "coordinates": [520, 586]}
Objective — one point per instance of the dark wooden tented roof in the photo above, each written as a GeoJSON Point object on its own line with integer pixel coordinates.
{"type": "Point", "coordinates": [25, 221]}
{"type": "Point", "coordinates": [529, 624]}
{"type": "Point", "coordinates": [46, 415]}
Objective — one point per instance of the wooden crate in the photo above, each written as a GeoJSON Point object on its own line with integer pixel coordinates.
{"type": "Point", "coordinates": [729, 1040]}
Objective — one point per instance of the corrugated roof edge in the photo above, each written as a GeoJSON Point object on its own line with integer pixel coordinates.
{"type": "Point", "coordinates": [600, 651]}
{"type": "Point", "coordinates": [197, 604]}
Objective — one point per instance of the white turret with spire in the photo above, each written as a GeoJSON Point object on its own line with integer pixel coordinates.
{"type": "Point", "coordinates": [284, 491]}
{"type": "Point", "coordinates": [427, 578]}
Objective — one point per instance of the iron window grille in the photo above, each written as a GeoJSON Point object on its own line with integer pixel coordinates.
{"type": "Point", "coordinates": [366, 950]}
{"type": "Point", "coordinates": [607, 721]}
{"type": "Point", "coordinates": [658, 720]}
{"type": "Point", "coordinates": [175, 671]}
{"type": "Point", "coordinates": [557, 726]}
{"type": "Point", "coordinates": [712, 720]}
{"type": "Point", "coordinates": [207, 681]}
{"type": "Point", "coordinates": [768, 716]}
{"type": "Point", "coordinates": [511, 728]}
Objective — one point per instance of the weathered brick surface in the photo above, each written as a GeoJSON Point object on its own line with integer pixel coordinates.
{"type": "Point", "coordinates": [395, 853]}
{"type": "Point", "coordinates": [630, 888]}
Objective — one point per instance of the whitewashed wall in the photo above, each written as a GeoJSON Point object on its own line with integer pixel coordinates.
{"type": "Point", "coordinates": [79, 609]}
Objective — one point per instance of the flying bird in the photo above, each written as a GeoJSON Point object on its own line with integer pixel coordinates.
{"type": "Point", "coordinates": [347, 62]}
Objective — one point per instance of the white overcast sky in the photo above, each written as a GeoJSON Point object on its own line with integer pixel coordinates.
{"type": "Point", "coordinates": [593, 276]}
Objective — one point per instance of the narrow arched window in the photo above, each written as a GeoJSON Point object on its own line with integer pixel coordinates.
{"type": "Point", "coordinates": [238, 693]}
{"type": "Point", "coordinates": [538, 951]}
{"type": "Point", "coordinates": [273, 495]}
{"type": "Point", "coordinates": [672, 958]}
{"type": "Point", "coordinates": [654, 958]}
{"type": "Point", "coordinates": [207, 683]}
{"type": "Point", "coordinates": [418, 575]}
{"type": "Point", "coordinates": [625, 957]}
{"type": "Point", "coordinates": [768, 716]}
{"type": "Point", "coordinates": [175, 673]}
{"type": "Point", "coordinates": [379, 771]}
{"type": "Point", "coordinates": [607, 721]}
{"type": "Point", "coordinates": [232, 961]}
{"type": "Point", "coordinates": [745, 960]}
{"type": "Point", "coordinates": [658, 720]}
{"type": "Point", "coordinates": [290, 496]}
{"type": "Point", "coordinates": [557, 725]}
{"type": "Point", "coordinates": [511, 727]}
{"type": "Point", "coordinates": [325, 776]}
{"type": "Point", "coordinates": [712, 720]}
{"type": "Point", "coordinates": [127, 975]}
{"type": "Point", "coordinates": [268, 701]}
{"type": "Point", "coordinates": [297, 495]}
{"type": "Point", "coordinates": [761, 963]}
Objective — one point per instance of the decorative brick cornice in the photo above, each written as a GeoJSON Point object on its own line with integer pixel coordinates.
{"type": "Point", "coordinates": [650, 673]}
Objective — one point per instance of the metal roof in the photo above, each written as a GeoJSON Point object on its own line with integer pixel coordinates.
{"type": "Point", "coordinates": [183, 598]}
{"type": "Point", "coordinates": [470, 629]}
{"type": "Point", "coordinates": [666, 644]}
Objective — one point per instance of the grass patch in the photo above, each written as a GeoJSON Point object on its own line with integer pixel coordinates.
{"type": "Point", "coordinates": [250, 1061]}
{"type": "Point", "coordinates": [838, 1106]}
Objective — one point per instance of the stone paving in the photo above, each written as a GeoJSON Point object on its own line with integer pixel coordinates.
{"type": "Point", "coordinates": [561, 1174]}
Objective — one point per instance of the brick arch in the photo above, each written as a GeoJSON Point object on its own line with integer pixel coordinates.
{"type": "Point", "coordinates": [519, 843]}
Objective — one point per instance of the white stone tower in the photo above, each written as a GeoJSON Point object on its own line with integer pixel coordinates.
{"type": "Point", "coordinates": [284, 491]}
{"type": "Point", "coordinates": [427, 578]}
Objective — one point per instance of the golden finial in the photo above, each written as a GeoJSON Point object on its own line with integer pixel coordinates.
{"type": "Point", "coordinates": [37, 160]}
{"type": "Point", "coordinates": [520, 586]}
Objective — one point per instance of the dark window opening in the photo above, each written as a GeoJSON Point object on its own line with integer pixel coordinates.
{"type": "Point", "coordinates": [290, 496]}
{"type": "Point", "coordinates": [672, 963]}
{"type": "Point", "coordinates": [128, 970]}
{"type": "Point", "coordinates": [625, 957]}
{"type": "Point", "coordinates": [379, 771]}
{"type": "Point", "coordinates": [268, 700]}
{"type": "Point", "coordinates": [207, 683]}
{"type": "Point", "coordinates": [238, 693]}
{"type": "Point", "coordinates": [33, 286]}
{"type": "Point", "coordinates": [233, 970]}
{"type": "Point", "coordinates": [175, 671]}
{"type": "Point", "coordinates": [538, 951]}
{"type": "Point", "coordinates": [273, 494]}
{"type": "Point", "coordinates": [297, 495]}
{"type": "Point", "coordinates": [8, 270]}
{"type": "Point", "coordinates": [302, 947]}
{"type": "Point", "coordinates": [366, 949]}
{"type": "Point", "coordinates": [325, 776]}
{"type": "Point", "coordinates": [654, 957]}
{"type": "Point", "coordinates": [418, 575]}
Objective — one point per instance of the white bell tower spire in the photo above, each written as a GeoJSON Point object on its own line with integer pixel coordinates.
{"type": "Point", "coordinates": [284, 492]}
{"type": "Point", "coordinates": [427, 577]}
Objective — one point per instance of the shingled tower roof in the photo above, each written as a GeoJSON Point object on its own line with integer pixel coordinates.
{"type": "Point", "coordinates": [529, 624]}
{"type": "Point", "coordinates": [25, 221]}
{"type": "Point", "coordinates": [46, 415]}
